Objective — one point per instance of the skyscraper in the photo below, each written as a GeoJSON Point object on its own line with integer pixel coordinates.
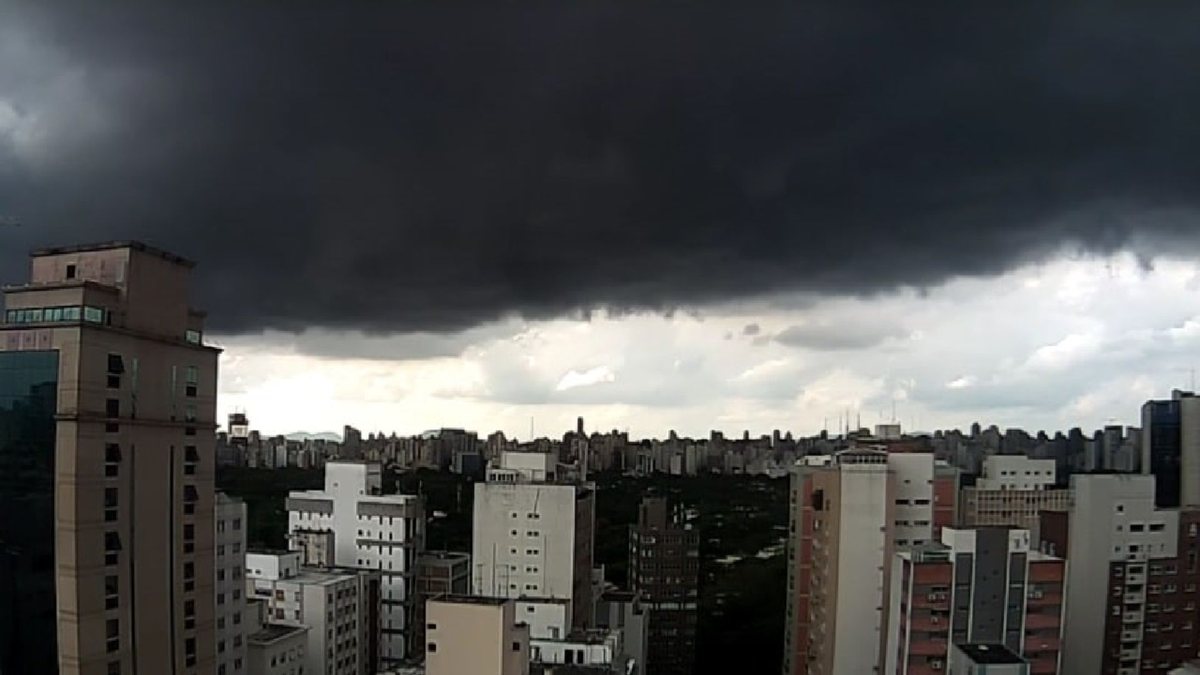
{"type": "Point", "coordinates": [107, 419]}
{"type": "Point", "coordinates": [664, 568]}
{"type": "Point", "coordinates": [1171, 448]}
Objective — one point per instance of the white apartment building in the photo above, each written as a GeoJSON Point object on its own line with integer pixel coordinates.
{"type": "Point", "coordinates": [1016, 472]}
{"type": "Point", "coordinates": [532, 541]}
{"type": "Point", "coordinates": [340, 608]}
{"type": "Point", "coordinates": [371, 531]}
{"type": "Point", "coordinates": [233, 624]}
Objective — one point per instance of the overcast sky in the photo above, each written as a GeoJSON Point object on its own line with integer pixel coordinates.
{"type": "Point", "coordinates": [409, 216]}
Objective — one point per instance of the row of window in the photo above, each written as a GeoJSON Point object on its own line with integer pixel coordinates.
{"type": "Point", "coordinates": [56, 315]}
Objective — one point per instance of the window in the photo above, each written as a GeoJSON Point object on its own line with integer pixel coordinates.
{"type": "Point", "coordinates": [192, 336]}
{"type": "Point", "coordinates": [112, 547]}
{"type": "Point", "coordinates": [112, 408]}
{"type": "Point", "coordinates": [110, 504]}
{"type": "Point", "coordinates": [113, 635]}
{"type": "Point", "coordinates": [189, 652]}
{"type": "Point", "coordinates": [114, 668]}
{"type": "Point", "coordinates": [192, 381]}
{"type": "Point", "coordinates": [189, 570]}
{"type": "Point", "coordinates": [112, 460]}
{"type": "Point", "coordinates": [71, 271]}
{"type": "Point", "coordinates": [111, 587]}
{"type": "Point", "coordinates": [431, 647]}
{"type": "Point", "coordinates": [93, 315]}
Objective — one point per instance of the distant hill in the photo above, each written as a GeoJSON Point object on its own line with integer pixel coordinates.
{"type": "Point", "coordinates": [321, 436]}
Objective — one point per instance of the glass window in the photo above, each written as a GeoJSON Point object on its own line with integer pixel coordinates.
{"type": "Point", "coordinates": [93, 314]}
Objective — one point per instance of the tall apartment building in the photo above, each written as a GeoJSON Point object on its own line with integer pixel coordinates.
{"type": "Point", "coordinates": [664, 568]}
{"type": "Point", "coordinates": [849, 513]}
{"type": "Point", "coordinates": [983, 586]}
{"type": "Point", "coordinates": [481, 636]}
{"type": "Point", "coordinates": [232, 622]}
{"type": "Point", "coordinates": [1012, 491]}
{"type": "Point", "coordinates": [371, 531]}
{"type": "Point", "coordinates": [1131, 592]}
{"type": "Point", "coordinates": [340, 607]}
{"type": "Point", "coordinates": [532, 541]}
{"type": "Point", "coordinates": [107, 419]}
{"type": "Point", "coordinates": [1171, 448]}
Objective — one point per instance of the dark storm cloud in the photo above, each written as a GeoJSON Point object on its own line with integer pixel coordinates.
{"type": "Point", "coordinates": [406, 167]}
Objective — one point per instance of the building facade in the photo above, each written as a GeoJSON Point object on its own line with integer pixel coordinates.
{"type": "Point", "coordinates": [849, 513]}
{"type": "Point", "coordinates": [339, 607]}
{"type": "Point", "coordinates": [664, 569]}
{"type": "Point", "coordinates": [440, 573]}
{"type": "Point", "coordinates": [278, 649]}
{"type": "Point", "coordinates": [1131, 592]}
{"type": "Point", "coordinates": [370, 531]}
{"type": "Point", "coordinates": [977, 587]}
{"type": "Point", "coordinates": [1012, 491]}
{"type": "Point", "coordinates": [481, 636]}
{"type": "Point", "coordinates": [232, 622]}
{"type": "Point", "coordinates": [107, 419]}
{"type": "Point", "coordinates": [532, 539]}
{"type": "Point", "coordinates": [1171, 448]}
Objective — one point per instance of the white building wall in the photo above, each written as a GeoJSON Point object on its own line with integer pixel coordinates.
{"type": "Point", "coordinates": [896, 662]}
{"type": "Point", "coordinates": [233, 624]}
{"type": "Point", "coordinates": [1016, 472]}
{"type": "Point", "coordinates": [913, 497]}
{"type": "Point", "coordinates": [547, 620]}
{"type": "Point", "coordinates": [523, 540]}
{"type": "Point", "coordinates": [863, 544]}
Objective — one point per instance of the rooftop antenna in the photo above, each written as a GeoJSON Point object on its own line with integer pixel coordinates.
{"type": "Point", "coordinates": [531, 428]}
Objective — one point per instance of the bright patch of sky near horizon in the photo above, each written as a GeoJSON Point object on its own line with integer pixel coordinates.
{"type": "Point", "coordinates": [1077, 341]}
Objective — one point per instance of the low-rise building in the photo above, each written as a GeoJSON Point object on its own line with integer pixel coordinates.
{"type": "Point", "coordinates": [480, 636]}
{"type": "Point", "coordinates": [985, 659]}
{"type": "Point", "coordinates": [278, 649]}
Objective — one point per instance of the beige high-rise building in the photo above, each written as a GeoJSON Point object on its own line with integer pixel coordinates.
{"type": "Point", "coordinates": [481, 636]}
{"type": "Point", "coordinates": [107, 418]}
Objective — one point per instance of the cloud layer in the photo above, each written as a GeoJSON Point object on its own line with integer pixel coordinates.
{"type": "Point", "coordinates": [412, 167]}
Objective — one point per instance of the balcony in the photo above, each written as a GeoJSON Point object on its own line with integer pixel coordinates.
{"type": "Point", "coordinates": [1039, 621]}
{"type": "Point", "coordinates": [1037, 644]}
{"type": "Point", "coordinates": [928, 648]}
{"type": "Point", "coordinates": [1045, 600]}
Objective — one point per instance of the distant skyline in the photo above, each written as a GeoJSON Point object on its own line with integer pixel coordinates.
{"type": "Point", "coordinates": [1075, 342]}
{"type": "Point", "coordinates": [722, 217]}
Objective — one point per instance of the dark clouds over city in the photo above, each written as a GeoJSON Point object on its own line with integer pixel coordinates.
{"type": "Point", "coordinates": [410, 167]}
